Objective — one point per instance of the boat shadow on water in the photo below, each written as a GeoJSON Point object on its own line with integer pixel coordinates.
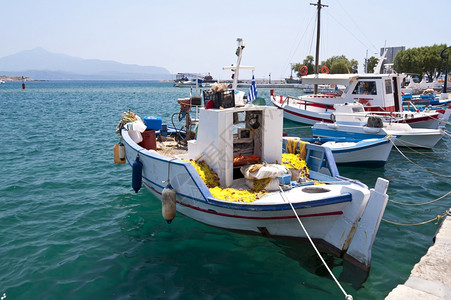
{"type": "Point", "coordinates": [303, 253]}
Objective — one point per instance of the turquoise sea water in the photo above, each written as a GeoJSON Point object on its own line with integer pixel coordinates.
{"type": "Point", "coordinates": [71, 227]}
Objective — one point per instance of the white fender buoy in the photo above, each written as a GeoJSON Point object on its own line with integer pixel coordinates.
{"type": "Point", "coordinates": [122, 152]}
{"type": "Point", "coordinates": [168, 203]}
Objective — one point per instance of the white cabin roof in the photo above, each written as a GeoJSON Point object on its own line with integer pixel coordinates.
{"type": "Point", "coordinates": [343, 79]}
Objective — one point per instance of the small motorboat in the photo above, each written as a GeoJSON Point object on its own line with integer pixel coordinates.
{"type": "Point", "coordinates": [350, 120]}
{"type": "Point", "coordinates": [348, 151]}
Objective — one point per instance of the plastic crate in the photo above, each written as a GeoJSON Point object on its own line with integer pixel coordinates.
{"type": "Point", "coordinates": [224, 99]}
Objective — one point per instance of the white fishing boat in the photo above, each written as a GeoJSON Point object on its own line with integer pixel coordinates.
{"type": "Point", "coordinates": [347, 151]}
{"type": "Point", "coordinates": [230, 176]}
{"type": "Point", "coordinates": [352, 121]}
{"type": "Point", "coordinates": [378, 93]}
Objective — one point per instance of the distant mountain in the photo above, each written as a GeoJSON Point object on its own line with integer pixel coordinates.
{"type": "Point", "coordinates": [38, 63]}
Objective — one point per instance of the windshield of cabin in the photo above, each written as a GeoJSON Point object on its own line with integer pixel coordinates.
{"type": "Point", "coordinates": [365, 88]}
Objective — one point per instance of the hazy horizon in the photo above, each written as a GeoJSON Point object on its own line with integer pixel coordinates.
{"type": "Point", "coordinates": [199, 37]}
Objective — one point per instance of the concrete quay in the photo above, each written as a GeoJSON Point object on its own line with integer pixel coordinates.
{"type": "Point", "coordinates": [431, 276]}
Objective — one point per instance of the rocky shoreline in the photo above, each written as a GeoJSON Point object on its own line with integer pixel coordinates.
{"type": "Point", "coordinates": [16, 78]}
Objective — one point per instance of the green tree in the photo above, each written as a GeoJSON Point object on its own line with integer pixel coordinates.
{"type": "Point", "coordinates": [336, 64]}
{"type": "Point", "coordinates": [340, 65]}
{"type": "Point", "coordinates": [371, 63]}
{"type": "Point", "coordinates": [422, 60]}
{"type": "Point", "coordinates": [308, 61]}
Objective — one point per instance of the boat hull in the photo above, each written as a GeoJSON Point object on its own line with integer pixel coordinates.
{"type": "Point", "coordinates": [330, 213]}
{"type": "Point", "coordinates": [420, 138]}
{"type": "Point", "coordinates": [270, 216]}
{"type": "Point", "coordinates": [366, 153]}
{"type": "Point", "coordinates": [312, 113]}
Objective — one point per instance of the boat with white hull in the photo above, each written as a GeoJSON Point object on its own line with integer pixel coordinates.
{"type": "Point", "coordinates": [351, 121]}
{"type": "Point", "coordinates": [372, 152]}
{"type": "Point", "coordinates": [204, 178]}
{"type": "Point", "coordinates": [378, 93]}
{"type": "Point", "coordinates": [342, 215]}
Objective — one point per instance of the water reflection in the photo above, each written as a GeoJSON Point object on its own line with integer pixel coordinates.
{"type": "Point", "coordinates": [306, 256]}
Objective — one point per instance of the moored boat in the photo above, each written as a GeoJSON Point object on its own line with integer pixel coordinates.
{"type": "Point", "coordinates": [352, 121]}
{"type": "Point", "coordinates": [378, 93]}
{"type": "Point", "coordinates": [348, 151]}
{"type": "Point", "coordinates": [234, 175]}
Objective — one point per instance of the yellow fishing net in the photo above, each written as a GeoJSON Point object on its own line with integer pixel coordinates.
{"type": "Point", "coordinates": [210, 178]}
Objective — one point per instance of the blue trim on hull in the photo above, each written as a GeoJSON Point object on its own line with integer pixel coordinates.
{"type": "Point", "coordinates": [364, 164]}
{"type": "Point", "coordinates": [335, 133]}
{"type": "Point", "coordinates": [346, 197]}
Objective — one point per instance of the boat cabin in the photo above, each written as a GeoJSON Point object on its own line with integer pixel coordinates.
{"type": "Point", "coordinates": [377, 92]}
{"type": "Point", "coordinates": [227, 134]}
{"type": "Point", "coordinates": [347, 113]}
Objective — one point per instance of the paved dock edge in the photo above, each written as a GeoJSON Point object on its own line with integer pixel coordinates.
{"type": "Point", "coordinates": [431, 276]}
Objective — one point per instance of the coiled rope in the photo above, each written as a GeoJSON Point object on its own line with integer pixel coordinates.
{"type": "Point", "coordinates": [431, 172]}
{"type": "Point", "coordinates": [347, 296]}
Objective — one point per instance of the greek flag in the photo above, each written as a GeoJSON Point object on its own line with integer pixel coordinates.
{"type": "Point", "coordinates": [252, 91]}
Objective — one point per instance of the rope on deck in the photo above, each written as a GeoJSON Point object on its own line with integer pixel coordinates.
{"type": "Point", "coordinates": [347, 296]}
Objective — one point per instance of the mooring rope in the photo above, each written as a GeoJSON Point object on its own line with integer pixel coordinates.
{"type": "Point", "coordinates": [412, 150]}
{"type": "Point", "coordinates": [347, 296]}
{"type": "Point", "coordinates": [431, 172]}
{"type": "Point", "coordinates": [445, 122]}
{"type": "Point", "coordinates": [410, 144]}
{"type": "Point", "coordinates": [419, 204]}
{"type": "Point", "coordinates": [442, 150]}
{"type": "Point", "coordinates": [438, 217]}
{"type": "Point", "coordinates": [440, 120]}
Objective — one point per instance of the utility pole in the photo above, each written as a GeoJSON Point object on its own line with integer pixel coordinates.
{"type": "Point", "coordinates": [318, 26]}
{"type": "Point", "coordinates": [445, 55]}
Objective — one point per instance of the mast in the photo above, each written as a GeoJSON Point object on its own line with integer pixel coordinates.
{"type": "Point", "coordinates": [236, 67]}
{"type": "Point", "coordinates": [318, 26]}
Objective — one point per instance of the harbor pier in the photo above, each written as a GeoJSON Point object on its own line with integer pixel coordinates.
{"type": "Point", "coordinates": [431, 276]}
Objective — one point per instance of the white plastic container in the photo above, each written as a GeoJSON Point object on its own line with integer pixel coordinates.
{"type": "Point", "coordinates": [135, 136]}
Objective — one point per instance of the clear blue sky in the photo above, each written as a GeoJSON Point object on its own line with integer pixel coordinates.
{"type": "Point", "coordinates": [200, 36]}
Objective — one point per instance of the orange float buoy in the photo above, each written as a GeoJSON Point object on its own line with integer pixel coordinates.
{"type": "Point", "coordinates": [303, 71]}
{"type": "Point", "coordinates": [119, 153]}
{"type": "Point", "coordinates": [325, 70]}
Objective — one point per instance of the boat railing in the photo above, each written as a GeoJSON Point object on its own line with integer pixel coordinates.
{"type": "Point", "coordinates": [305, 102]}
{"type": "Point", "coordinates": [410, 103]}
